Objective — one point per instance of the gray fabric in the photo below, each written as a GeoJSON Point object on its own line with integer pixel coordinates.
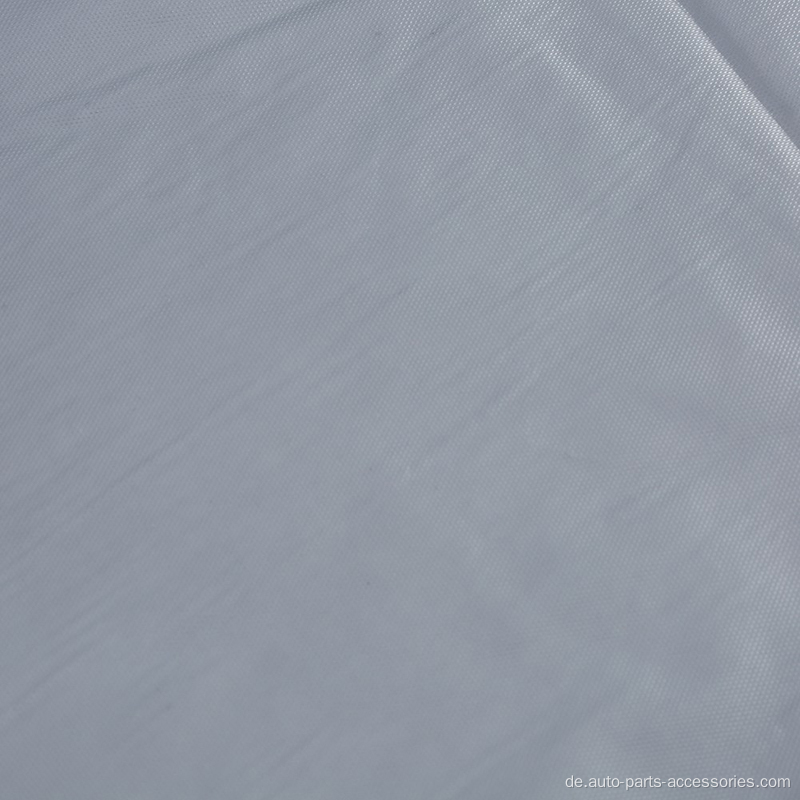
{"type": "Point", "coordinates": [398, 399]}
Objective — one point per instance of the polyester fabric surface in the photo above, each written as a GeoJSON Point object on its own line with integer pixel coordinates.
{"type": "Point", "coordinates": [398, 398]}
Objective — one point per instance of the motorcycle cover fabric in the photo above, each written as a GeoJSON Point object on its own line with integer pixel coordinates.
{"type": "Point", "coordinates": [399, 399]}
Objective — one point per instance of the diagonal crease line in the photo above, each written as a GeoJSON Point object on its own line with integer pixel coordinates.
{"type": "Point", "coordinates": [197, 59]}
{"type": "Point", "coordinates": [763, 323]}
{"type": "Point", "coordinates": [748, 73]}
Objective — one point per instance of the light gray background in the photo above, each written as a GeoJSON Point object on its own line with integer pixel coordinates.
{"type": "Point", "coordinates": [398, 399]}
